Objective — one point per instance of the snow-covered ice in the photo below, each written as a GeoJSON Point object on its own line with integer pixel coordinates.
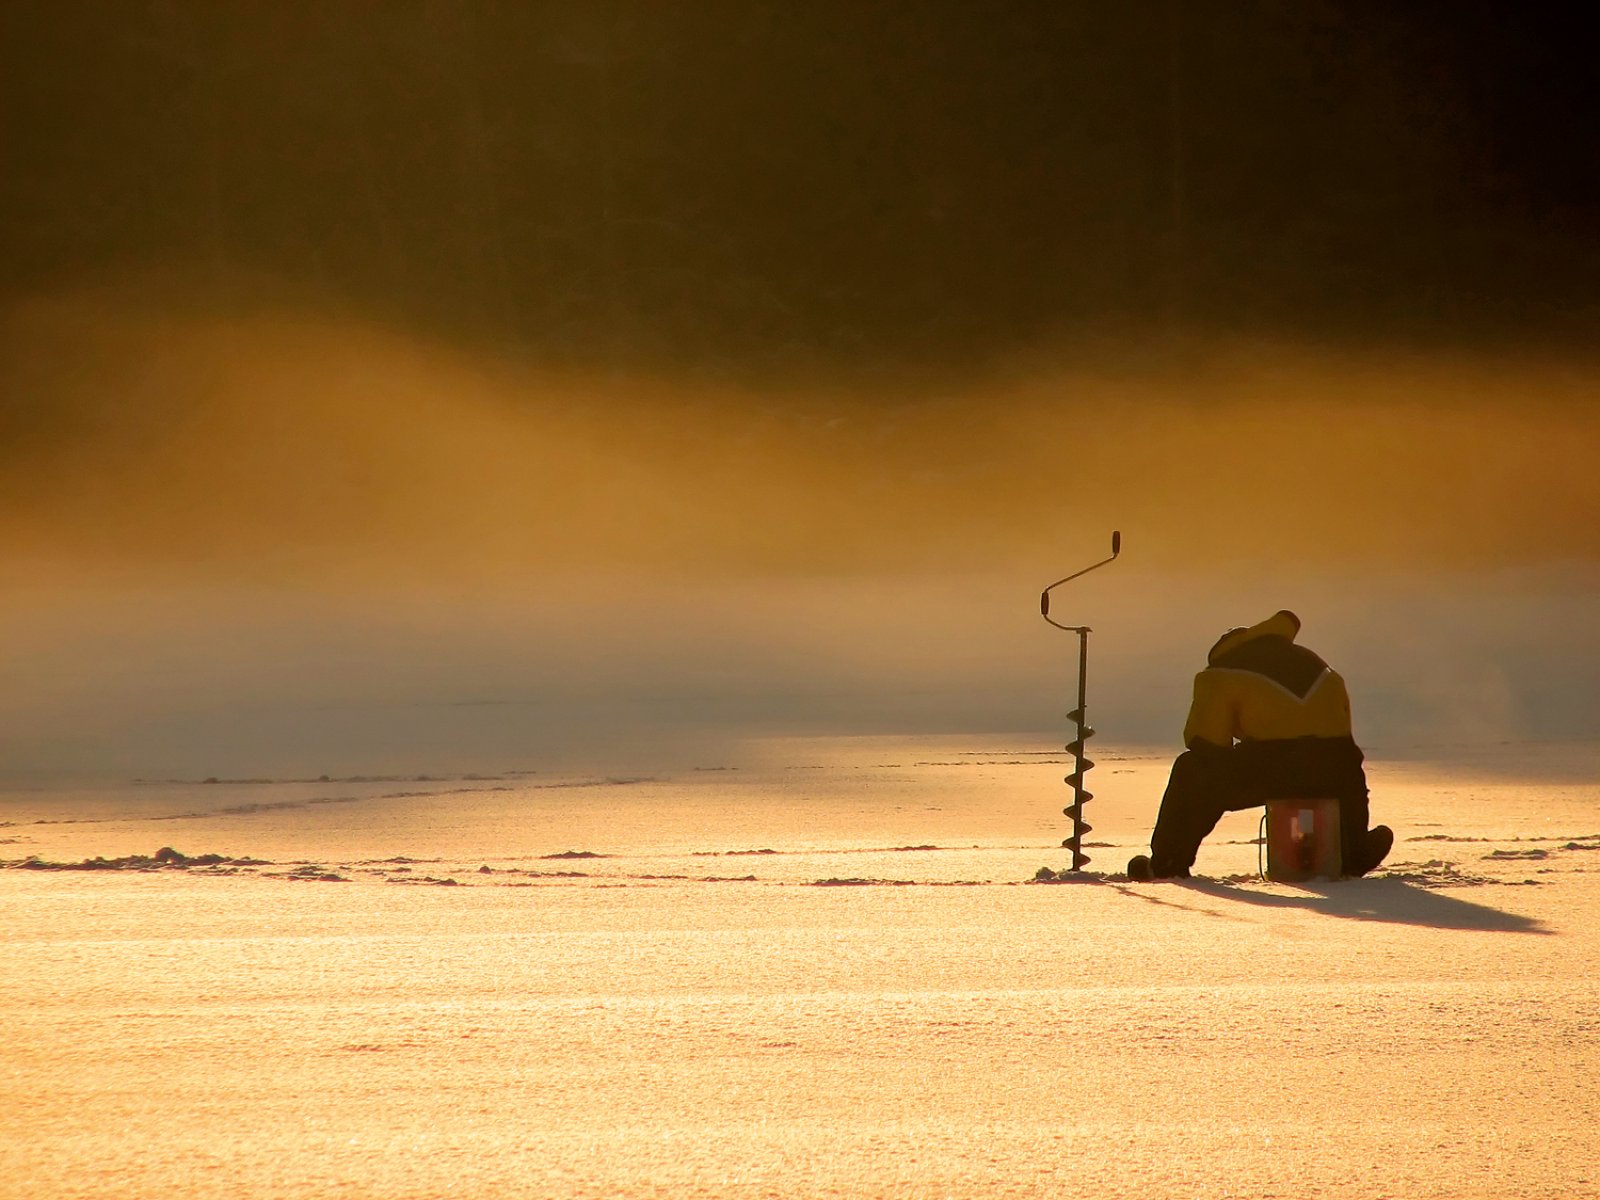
{"type": "Point", "coordinates": [810, 967]}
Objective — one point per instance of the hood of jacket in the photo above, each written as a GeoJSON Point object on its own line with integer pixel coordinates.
{"type": "Point", "coordinates": [1282, 623]}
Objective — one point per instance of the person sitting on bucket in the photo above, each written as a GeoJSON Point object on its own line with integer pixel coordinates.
{"type": "Point", "coordinates": [1270, 721]}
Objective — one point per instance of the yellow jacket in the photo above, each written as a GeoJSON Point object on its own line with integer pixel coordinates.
{"type": "Point", "coordinates": [1260, 686]}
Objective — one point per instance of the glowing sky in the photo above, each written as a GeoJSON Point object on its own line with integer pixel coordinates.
{"type": "Point", "coordinates": [756, 366]}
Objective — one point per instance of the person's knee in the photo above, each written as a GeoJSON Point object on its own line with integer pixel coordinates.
{"type": "Point", "coordinates": [1202, 777]}
{"type": "Point", "coordinates": [1201, 764]}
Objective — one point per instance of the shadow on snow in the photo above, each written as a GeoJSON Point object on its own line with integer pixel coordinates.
{"type": "Point", "coordinates": [1394, 900]}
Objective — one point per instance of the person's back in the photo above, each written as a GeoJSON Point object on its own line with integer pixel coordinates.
{"type": "Point", "coordinates": [1258, 684]}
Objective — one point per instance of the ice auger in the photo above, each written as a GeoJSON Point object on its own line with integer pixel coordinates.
{"type": "Point", "coordinates": [1078, 716]}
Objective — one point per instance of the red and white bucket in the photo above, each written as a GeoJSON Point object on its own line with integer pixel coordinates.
{"type": "Point", "coordinates": [1303, 840]}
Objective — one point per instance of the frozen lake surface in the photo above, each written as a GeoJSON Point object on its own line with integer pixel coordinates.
{"type": "Point", "coordinates": [808, 967]}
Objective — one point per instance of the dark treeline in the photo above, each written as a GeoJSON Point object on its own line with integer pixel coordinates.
{"type": "Point", "coordinates": [764, 184]}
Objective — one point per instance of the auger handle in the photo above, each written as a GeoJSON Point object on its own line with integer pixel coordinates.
{"type": "Point", "coordinates": [1044, 596]}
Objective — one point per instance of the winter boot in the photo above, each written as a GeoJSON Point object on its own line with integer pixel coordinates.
{"type": "Point", "coordinates": [1379, 841]}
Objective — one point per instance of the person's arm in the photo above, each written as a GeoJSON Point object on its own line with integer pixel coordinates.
{"type": "Point", "coordinates": [1212, 719]}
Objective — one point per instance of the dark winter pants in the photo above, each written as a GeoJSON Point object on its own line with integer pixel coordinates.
{"type": "Point", "coordinates": [1208, 781]}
